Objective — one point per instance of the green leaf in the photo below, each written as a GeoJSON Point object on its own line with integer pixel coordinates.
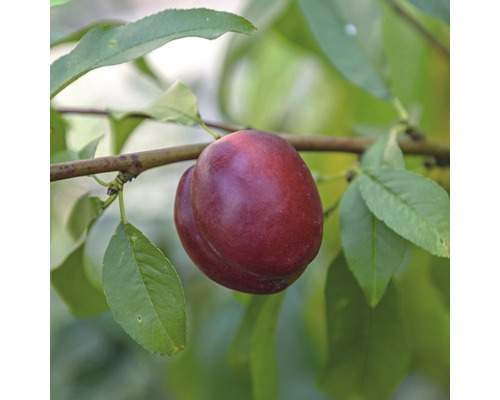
{"type": "Point", "coordinates": [61, 35]}
{"type": "Point", "coordinates": [111, 45]}
{"type": "Point", "coordinates": [58, 127]}
{"type": "Point", "coordinates": [436, 8]}
{"type": "Point", "coordinates": [73, 279]}
{"type": "Point", "coordinates": [264, 367]}
{"type": "Point", "coordinates": [88, 151]}
{"type": "Point", "coordinates": [71, 283]}
{"type": "Point", "coordinates": [84, 213]}
{"type": "Point", "coordinates": [350, 35]}
{"type": "Point", "coordinates": [178, 104]}
{"type": "Point", "coordinates": [413, 206]}
{"type": "Point", "coordinates": [368, 351]}
{"type": "Point", "coordinates": [144, 292]}
{"type": "Point", "coordinates": [58, 2]}
{"type": "Point", "coordinates": [427, 318]}
{"type": "Point", "coordinates": [253, 350]}
{"type": "Point", "coordinates": [384, 152]}
{"type": "Point", "coordinates": [121, 129]}
{"type": "Point", "coordinates": [373, 251]}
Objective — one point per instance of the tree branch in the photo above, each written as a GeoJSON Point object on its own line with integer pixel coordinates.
{"type": "Point", "coordinates": [135, 163]}
{"type": "Point", "coordinates": [422, 30]}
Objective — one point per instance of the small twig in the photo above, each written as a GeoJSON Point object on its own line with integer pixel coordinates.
{"type": "Point", "coordinates": [420, 28]}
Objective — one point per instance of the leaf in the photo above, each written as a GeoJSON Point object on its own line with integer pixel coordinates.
{"type": "Point", "coordinates": [350, 35]}
{"type": "Point", "coordinates": [368, 352]}
{"type": "Point", "coordinates": [84, 213]}
{"type": "Point", "coordinates": [58, 127]}
{"type": "Point", "coordinates": [178, 104]}
{"type": "Point", "coordinates": [372, 250]}
{"type": "Point", "coordinates": [71, 283]}
{"type": "Point", "coordinates": [121, 129]}
{"type": "Point", "coordinates": [88, 151]}
{"type": "Point", "coordinates": [61, 35]}
{"type": "Point", "coordinates": [111, 45]}
{"type": "Point", "coordinates": [264, 367]}
{"type": "Point", "coordinates": [144, 292]}
{"type": "Point", "coordinates": [436, 8]}
{"type": "Point", "coordinates": [413, 206]}
{"type": "Point", "coordinates": [427, 318]}
{"type": "Point", "coordinates": [70, 279]}
{"type": "Point", "coordinates": [384, 152]}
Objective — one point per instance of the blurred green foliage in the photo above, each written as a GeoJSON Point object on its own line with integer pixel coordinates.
{"type": "Point", "coordinates": [277, 80]}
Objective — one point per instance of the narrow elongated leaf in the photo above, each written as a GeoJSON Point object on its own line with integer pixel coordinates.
{"type": "Point", "coordinates": [144, 292]}
{"type": "Point", "coordinates": [264, 367]}
{"type": "Point", "coordinates": [413, 206]}
{"type": "Point", "coordinates": [349, 33]}
{"type": "Point", "coordinates": [253, 350]}
{"type": "Point", "coordinates": [436, 8]}
{"type": "Point", "coordinates": [373, 251]}
{"type": "Point", "coordinates": [368, 351]}
{"type": "Point", "coordinates": [82, 293]}
{"type": "Point", "coordinates": [111, 45]}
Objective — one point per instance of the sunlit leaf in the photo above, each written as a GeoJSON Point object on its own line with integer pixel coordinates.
{"type": "Point", "coordinates": [368, 351]}
{"type": "Point", "coordinates": [413, 206]}
{"type": "Point", "coordinates": [144, 292]}
{"type": "Point", "coordinates": [111, 45]}
{"type": "Point", "coordinates": [349, 33]}
{"type": "Point", "coordinates": [177, 104]}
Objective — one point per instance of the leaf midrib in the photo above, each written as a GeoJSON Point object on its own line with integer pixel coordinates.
{"type": "Point", "coordinates": [401, 200]}
{"type": "Point", "coordinates": [145, 288]}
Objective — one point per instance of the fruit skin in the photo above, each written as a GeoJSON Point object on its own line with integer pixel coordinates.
{"type": "Point", "coordinates": [249, 214]}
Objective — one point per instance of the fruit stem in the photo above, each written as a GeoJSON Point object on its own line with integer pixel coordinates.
{"type": "Point", "coordinates": [204, 126]}
{"type": "Point", "coordinates": [122, 205]}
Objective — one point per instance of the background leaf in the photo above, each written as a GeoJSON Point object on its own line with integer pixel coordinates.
{"type": "Point", "coordinates": [350, 35]}
{"type": "Point", "coordinates": [265, 373]}
{"type": "Point", "coordinates": [368, 351]}
{"type": "Point", "coordinates": [436, 8]}
{"type": "Point", "coordinates": [372, 250]}
{"type": "Point", "coordinates": [415, 207]}
{"type": "Point", "coordinates": [144, 292]}
{"type": "Point", "coordinates": [58, 127]}
{"type": "Point", "coordinates": [78, 286]}
{"type": "Point", "coordinates": [111, 45]}
{"type": "Point", "coordinates": [253, 351]}
{"type": "Point", "coordinates": [84, 213]}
